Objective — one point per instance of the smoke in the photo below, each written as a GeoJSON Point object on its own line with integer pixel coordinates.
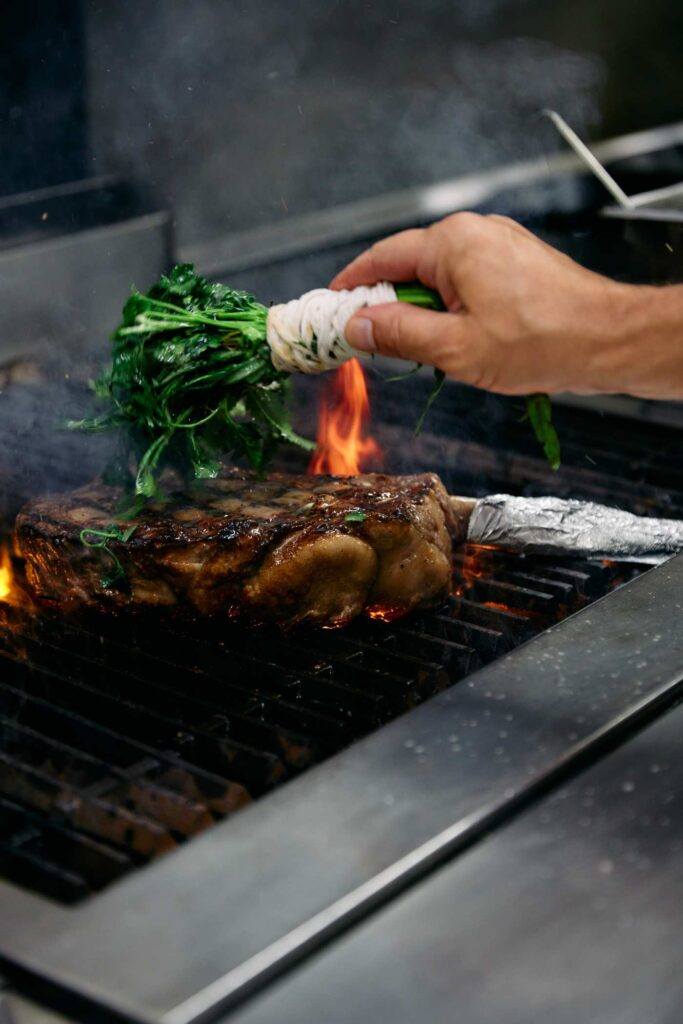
{"type": "Point", "coordinates": [245, 114]}
{"type": "Point", "coordinates": [241, 113]}
{"type": "Point", "coordinates": [37, 454]}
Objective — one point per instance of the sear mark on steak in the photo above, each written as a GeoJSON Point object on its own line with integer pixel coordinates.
{"type": "Point", "coordinates": [276, 549]}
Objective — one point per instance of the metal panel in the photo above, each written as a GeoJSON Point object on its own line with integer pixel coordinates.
{"type": "Point", "coordinates": [208, 923]}
{"type": "Point", "coordinates": [574, 913]}
{"type": "Point", "coordinates": [61, 283]}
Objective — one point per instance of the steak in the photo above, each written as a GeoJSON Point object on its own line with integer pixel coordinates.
{"type": "Point", "coordinates": [287, 549]}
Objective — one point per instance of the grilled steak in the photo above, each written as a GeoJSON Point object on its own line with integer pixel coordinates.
{"type": "Point", "coordinates": [289, 549]}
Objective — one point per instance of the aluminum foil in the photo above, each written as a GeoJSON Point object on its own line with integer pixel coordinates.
{"type": "Point", "coordinates": [556, 525]}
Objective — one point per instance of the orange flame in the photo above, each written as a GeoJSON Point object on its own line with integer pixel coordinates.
{"type": "Point", "coordinates": [6, 574]}
{"type": "Point", "coordinates": [344, 448]}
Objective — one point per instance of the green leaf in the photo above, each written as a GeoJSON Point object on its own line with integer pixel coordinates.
{"type": "Point", "coordinates": [145, 482]}
{"type": "Point", "coordinates": [126, 534]}
{"type": "Point", "coordinates": [184, 355]}
{"type": "Point", "coordinates": [439, 381]}
{"type": "Point", "coordinates": [136, 304]}
{"type": "Point", "coordinates": [204, 463]}
{"type": "Point", "coordinates": [271, 408]}
{"type": "Point", "coordinates": [355, 517]}
{"type": "Point", "coordinates": [92, 538]}
{"type": "Point", "coordinates": [540, 414]}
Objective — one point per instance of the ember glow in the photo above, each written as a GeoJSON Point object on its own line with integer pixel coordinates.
{"type": "Point", "coordinates": [476, 563]}
{"type": "Point", "coordinates": [344, 447]}
{"type": "Point", "coordinates": [386, 613]}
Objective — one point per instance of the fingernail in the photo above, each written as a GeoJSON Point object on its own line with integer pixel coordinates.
{"type": "Point", "coordinates": [358, 333]}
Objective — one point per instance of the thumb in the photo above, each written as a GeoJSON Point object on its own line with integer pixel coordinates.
{"type": "Point", "coordinates": [407, 332]}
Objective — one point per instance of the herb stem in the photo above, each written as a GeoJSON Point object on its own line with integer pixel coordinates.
{"type": "Point", "coordinates": [539, 408]}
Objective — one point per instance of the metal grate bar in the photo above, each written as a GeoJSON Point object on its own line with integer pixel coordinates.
{"type": "Point", "coordinates": [65, 850]}
{"type": "Point", "coordinates": [512, 622]}
{"type": "Point", "coordinates": [475, 468]}
{"type": "Point", "coordinates": [126, 787]}
{"type": "Point", "coordinates": [254, 769]}
{"type": "Point", "coordinates": [221, 795]}
{"type": "Point", "coordinates": [64, 801]}
{"type": "Point", "coordinates": [487, 642]}
{"type": "Point", "coordinates": [259, 680]}
{"type": "Point", "coordinates": [512, 595]}
{"type": "Point", "coordinates": [455, 659]}
{"type": "Point", "coordinates": [38, 872]}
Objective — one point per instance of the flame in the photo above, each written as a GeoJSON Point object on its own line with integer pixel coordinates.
{"type": "Point", "coordinates": [475, 563]}
{"type": "Point", "coordinates": [344, 448]}
{"type": "Point", "coordinates": [6, 574]}
{"type": "Point", "coordinates": [12, 592]}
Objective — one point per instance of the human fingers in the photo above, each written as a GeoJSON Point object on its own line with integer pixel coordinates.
{"type": "Point", "coordinates": [396, 258]}
{"type": "Point", "coordinates": [403, 331]}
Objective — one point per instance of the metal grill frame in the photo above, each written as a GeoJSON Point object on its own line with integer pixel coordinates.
{"type": "Point", "coordinates": [209, 923]}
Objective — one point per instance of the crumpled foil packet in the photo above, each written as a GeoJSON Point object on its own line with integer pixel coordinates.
{"type": "Point", "coordinates": [582, 528]}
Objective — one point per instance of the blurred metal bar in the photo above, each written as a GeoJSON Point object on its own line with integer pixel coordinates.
{"type": "Point", "coordinates": [391, 211]}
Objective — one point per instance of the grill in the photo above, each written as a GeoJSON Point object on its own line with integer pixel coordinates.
{"type": "Point", "coordinates": [122, 740]}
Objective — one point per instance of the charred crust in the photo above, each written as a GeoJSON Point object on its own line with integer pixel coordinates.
{"type": "Point", "coordinates": [204, 544]}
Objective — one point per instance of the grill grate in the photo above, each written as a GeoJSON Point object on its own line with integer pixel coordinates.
{"type": "Point", "coordinates": [119, 741]}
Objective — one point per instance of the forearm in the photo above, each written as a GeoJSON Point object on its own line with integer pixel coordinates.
{"type": "Point", "coordinates": [649, 346]}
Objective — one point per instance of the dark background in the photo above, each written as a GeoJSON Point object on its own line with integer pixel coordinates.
{"type": "Point", "coordinates": [244, 113]}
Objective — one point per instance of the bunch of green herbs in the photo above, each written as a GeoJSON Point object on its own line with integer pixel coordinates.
{"type": "Point", "coordinates": [191, 381]}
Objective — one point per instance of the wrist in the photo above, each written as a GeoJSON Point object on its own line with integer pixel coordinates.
{"type": "Point", "coordinates": [649, 342]}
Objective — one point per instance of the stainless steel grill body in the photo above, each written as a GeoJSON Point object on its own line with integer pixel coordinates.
{"type": "Point", "coordinates": [401, 746]}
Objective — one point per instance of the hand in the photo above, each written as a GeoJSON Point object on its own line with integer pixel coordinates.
{"type": "Point", "coordinates": [521, 316]}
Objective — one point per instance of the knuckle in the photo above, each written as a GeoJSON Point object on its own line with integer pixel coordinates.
{"type": "Point", "coordinates": [464, 224]}
{"type": "Point", "coordinates": [500, 218]}
{"type": "Point", "coordinates": [372, 258]}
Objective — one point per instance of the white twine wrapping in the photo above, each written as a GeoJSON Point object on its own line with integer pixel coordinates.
{"type": "Point", "coordinates": [306, 335]}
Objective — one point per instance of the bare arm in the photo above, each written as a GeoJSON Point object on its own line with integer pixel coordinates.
{"type": "Point", "coordinates": [521, 316]}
